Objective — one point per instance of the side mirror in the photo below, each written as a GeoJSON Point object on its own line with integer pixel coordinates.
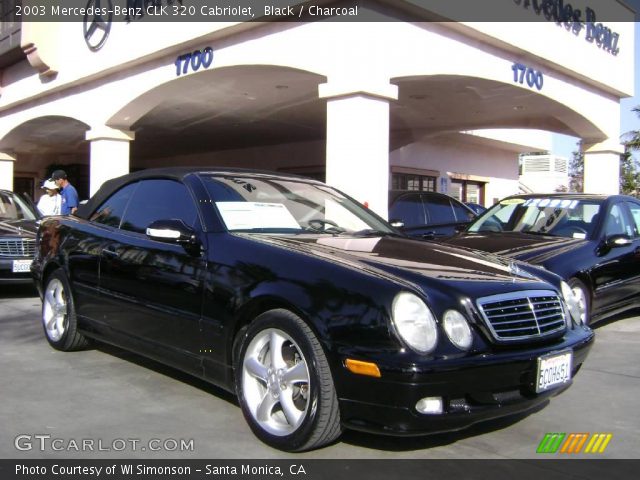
{"type": "Point", "coordinates": [619, 240]}
{"type": "Point", "coordinates": [171, 231]}
{"type": "Point", "coordinates": [396, 223]}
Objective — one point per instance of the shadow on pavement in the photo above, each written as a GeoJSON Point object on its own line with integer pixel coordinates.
{"type": "Point", "coordinates": [349, 437]}
{"type": "Point", "coordinates": [166, 371]}
{"type": "Point", "coordinates": [404, 444]}
{"type": "Point", "coordinates": [615, 318]}
{"type": "Point", "coordinates": [17, 291]}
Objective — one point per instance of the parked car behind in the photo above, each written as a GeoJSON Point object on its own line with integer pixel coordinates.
{"type": "Point", "coordinates": [308, 306]}
{"type": "Point", "coordinates": [476, 207]}
{"type": "Point", "coordinates": [17, 237]}
{"type": "Point", "coordinates": [592, 241]}
{"type": "Point", "coordinates": [428, 214]}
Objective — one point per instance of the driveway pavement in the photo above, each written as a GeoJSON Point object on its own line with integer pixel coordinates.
{"type": "Point", "coordinates": [106, 403]}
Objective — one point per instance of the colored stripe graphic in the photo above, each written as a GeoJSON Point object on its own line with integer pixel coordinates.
{"type": "Point", "coordinates": [598, 443]}
{"type": "Point", "coordinates": [550, 443]}
{"type": "Point", "coordinates": [573, 443]}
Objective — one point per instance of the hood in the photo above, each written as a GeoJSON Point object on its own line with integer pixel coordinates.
{"type": "Point", "coordinates": [530, 248]}
{"type": "Point", "coordinates": [18, 228]}
{"type": "Point", "coordinates": [417, 261]}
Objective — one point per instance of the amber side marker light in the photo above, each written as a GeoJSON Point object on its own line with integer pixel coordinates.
{"type": "Point", "coordinates": [362, 368]}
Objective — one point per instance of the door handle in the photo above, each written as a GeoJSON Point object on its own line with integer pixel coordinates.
{"type": "Point", "coordinates": [110, 252]}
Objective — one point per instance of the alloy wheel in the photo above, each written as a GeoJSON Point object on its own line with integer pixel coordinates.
{"type": "Point", "coordinates": [54, 312]}
{"type": "Point", "coordinates": [276, 382]}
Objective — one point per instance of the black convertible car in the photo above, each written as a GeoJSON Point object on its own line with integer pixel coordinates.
{"type": "Point", "coordinates": [315, 311]}
{"type": "Point", "coordinates": [18, 228]}
{"type": "Point", "coordinates": [592, 241]}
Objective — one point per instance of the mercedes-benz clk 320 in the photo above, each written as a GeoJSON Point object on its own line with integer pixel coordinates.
{"type": "Point", "coordinates": [312, 309]}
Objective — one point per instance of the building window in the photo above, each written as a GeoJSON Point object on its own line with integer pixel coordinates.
{"type": "Point", "coordinates": [467, 191]}
{"type": "Point", "coordinates": [404, 181]}
{"type": "Point", "coordinates": [24, 185]}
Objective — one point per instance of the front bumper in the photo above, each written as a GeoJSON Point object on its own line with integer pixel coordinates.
{"type": "Point", "coordinates": [473, 389]}
{"type": "Point", "coordinates": [7, 276]}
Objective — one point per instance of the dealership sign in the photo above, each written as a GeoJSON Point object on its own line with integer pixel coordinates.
{"type": "Point", "coordinates": [98, 16]}
{"type": "Point", "coordinates": [564, 14]}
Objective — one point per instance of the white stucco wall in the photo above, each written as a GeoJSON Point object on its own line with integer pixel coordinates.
{"type": "Point", "coordinates": [129, 77]}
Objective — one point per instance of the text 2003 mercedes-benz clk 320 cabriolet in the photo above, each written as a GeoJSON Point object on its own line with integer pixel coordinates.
{"type": "Point", "coordinates": [316, 312]}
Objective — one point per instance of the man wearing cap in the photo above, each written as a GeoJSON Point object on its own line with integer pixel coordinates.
{"type": "Point", "coordinates": [67, 191]}
{"type": "Point", "coordinates": [51, 202]}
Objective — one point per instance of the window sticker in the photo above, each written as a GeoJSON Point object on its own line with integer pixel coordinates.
{"type": "Point", "coordinates": [254, 215]}
{"type": "Point", "coordinates": [512, 201]}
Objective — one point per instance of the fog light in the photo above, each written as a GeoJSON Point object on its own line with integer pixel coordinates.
{"type": "Point", "coordinates": [430, 405]}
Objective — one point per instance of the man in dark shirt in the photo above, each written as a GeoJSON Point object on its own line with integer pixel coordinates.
{"type": "Point", "coordinates": [68, 192]}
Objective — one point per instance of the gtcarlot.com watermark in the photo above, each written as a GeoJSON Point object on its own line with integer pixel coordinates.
{"type": "Point", "coordinates": [47, 443]}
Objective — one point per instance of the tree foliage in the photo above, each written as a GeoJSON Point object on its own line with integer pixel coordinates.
{"type": "Point", "coordinates": [629, 169]}
{"type": "Point", "coordinates": [576, 171]}
{"type": "Point", "coordinates": [629, 174]}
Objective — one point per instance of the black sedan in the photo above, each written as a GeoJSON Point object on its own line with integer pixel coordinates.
{"type": "Point", "coordinates": [18, 228]}
{"type": "Point", "coordinates": [316, 312]}
{"type": "Point", "coordinates": [592, 241]}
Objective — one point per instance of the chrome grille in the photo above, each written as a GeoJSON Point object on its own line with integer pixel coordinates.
{"type": "Point", "coordinates": [18, 247]}
{"type": "Point", "coordinates": [523, 315]}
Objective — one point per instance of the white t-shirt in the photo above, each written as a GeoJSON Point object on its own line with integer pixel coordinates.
{"type": "Point", "coordinates": [50, 205]}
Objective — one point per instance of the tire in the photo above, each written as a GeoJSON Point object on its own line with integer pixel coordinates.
{"type": "Point", "coordinates": [582, 293]}
{"type": "Point", "coordinates": [289, 400]}
{"type": "Point", "coordinates": [59, 315]}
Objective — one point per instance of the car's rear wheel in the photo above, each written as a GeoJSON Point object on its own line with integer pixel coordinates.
{"type": "Point", "coordinates": [583, 297]}
{"type": "Point", "coordinates": [284, 384]}
{"type": "Point", "coordinates": [58, 314]}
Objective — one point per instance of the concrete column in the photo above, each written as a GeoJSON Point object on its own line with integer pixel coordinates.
{"type": "Point", "coordinates": [109, 155]}
{"type": "Point", "coordinates": [6, 170]}
{"type": "Point", "coordinates": [358, 142]}
{"type": "Point", "coordinates": [602, 168]}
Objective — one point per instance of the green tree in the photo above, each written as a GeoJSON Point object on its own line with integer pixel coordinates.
{"type": "Point", "coordinates": [629, 174]}
{"type": "Point", "coordinates": [629, 169]}
{"type": "Point", "coordinates": [633, 137]}
{"type": "Point", "coordinates": [576, 171]}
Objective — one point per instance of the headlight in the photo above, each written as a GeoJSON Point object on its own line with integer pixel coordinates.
{"type": "Point", "coordinates": [572, 302]}
{"type": "Point", "coordinates": [457, 328]}
{"type": "Point", "coordinates": [414, 322]}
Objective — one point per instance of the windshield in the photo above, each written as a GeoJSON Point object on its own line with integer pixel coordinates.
{"type": "Point", "coordinates": [270, 205]}
{"type": "Point", "coordinates": [12, 207]}
{"type": "Point", "coordinates": [573, 218]}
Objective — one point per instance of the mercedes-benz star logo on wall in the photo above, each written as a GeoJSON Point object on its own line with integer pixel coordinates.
{"type": "Point", "coordinates": [97, 23]}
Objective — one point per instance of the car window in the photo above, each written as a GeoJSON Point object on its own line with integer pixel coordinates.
{"type": "Point", "coordinates": [461, 212]}
{"type": "Point", "coordinates": [617, 223]}
{"type": "Point", "coordinates": [159, 199]}
{"type": "Point", "coordinates": [408, 209]}
{"type": "Point", "coordinates": [634, 208]}
{"type": "Point", "coordinates": [12, 207]}
{"type": "Point", "coordinates": [111, 211]}
{"type": "Point", "coordinates": [439, 210]}
{"type": "Point", "coordinates": [570, 217]}
{"type": "Point", "coordinates": [265, 204]}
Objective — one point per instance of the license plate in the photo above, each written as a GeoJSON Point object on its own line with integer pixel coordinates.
{"type": "Point", "coordinates": [20, 266]}
{"type": "Point", "coordinates": [553, 370]}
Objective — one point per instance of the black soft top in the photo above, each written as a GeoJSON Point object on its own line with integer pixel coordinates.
{"type": "Point", "coordinates": [172, 173]}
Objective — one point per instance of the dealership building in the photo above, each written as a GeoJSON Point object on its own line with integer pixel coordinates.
{"type": "Point", "coordinates": [370, 96]}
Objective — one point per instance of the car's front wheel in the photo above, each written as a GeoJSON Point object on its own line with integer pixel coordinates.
{"type": "Point", "coordinates": [583, 298]}
{"type": "Point", "coordinates": [284, 384]}
{"type": "Point", "coordinates": [59, 316]}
